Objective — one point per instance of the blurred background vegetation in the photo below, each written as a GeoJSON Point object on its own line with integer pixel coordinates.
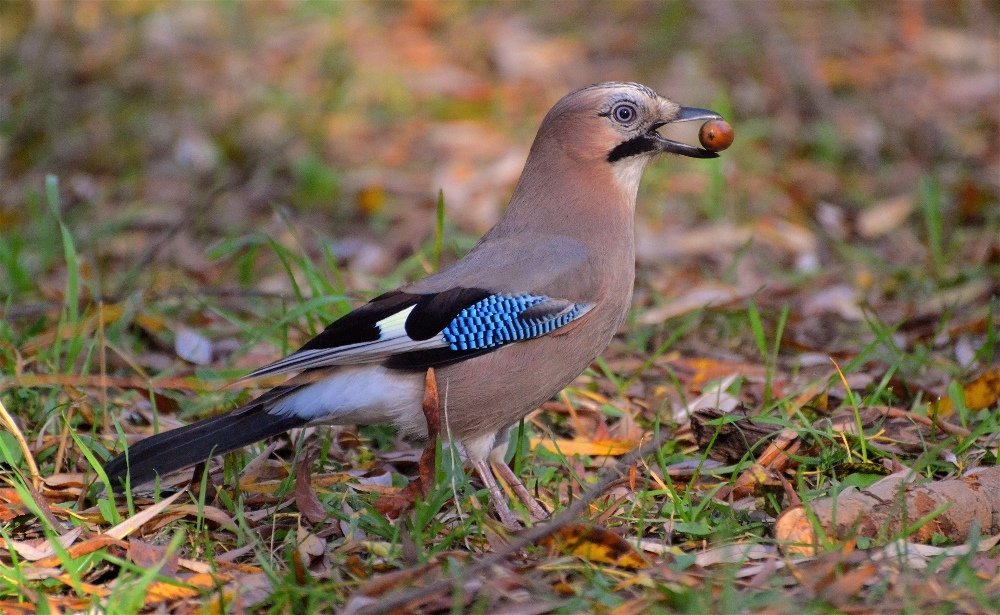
{"type": "Point", "coordinates": [172, 126]}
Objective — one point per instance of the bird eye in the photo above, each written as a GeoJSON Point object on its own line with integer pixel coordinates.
{"type": "Point", "coordinates": [624, 113]}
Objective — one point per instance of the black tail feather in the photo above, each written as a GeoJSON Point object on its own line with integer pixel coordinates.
{"type": "Point", "coordinates": [178, 448]}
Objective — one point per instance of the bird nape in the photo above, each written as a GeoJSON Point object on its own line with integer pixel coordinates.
{"type": "Point", "coordinates": [505, 328]}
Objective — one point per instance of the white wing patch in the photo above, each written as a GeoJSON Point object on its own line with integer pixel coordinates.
{"type": "Point", "coordinates": [395, 325]}
{"type": "Point", "coordinates": [392, 340]}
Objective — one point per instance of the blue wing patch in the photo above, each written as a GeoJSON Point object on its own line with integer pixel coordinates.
{"type": "Point", "coordinates": [404, 331]}
{"type": "Point", "coordinates": [499, 319]}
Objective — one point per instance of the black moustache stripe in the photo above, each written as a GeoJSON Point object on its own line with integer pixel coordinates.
{"type": "Point", "coordinates": [632, 147]}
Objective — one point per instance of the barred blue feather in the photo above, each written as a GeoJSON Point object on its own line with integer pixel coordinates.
{"type": "Point", "coordinates": [499, 319]}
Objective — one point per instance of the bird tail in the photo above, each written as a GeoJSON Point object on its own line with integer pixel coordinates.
{"type": "Point", "coordinates": [178, 448]}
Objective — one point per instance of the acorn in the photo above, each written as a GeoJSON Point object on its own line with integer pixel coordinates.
{"type": "Point", "coordinates": [716, 135]}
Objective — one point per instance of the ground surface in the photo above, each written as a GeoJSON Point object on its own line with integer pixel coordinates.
{"type": "Point", "coordinates": [188, 191]}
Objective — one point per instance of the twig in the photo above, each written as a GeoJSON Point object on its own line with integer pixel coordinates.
{"type": "Point", "coordinates": [929, 421]}
{"type": "Point", "coordinates": [8, 422]}
{"type": "Point", "coordinates": [570, 514]}
{"type": "Point", "coordinates": [182, 383]}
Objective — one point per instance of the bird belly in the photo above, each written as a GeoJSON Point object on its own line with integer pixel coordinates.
{"type": "Point", "coordinates": [360, 396]}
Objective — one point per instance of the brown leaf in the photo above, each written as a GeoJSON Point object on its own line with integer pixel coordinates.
{"type": "Point", "coordinates": [847, 585]}
{"type": "Point", "coordinates": [245, 592]}
{"type": "Point", "coordinates": [431, 406]}
{"type": "Point", "coordinates": [885, 216]}
{"type": "Point", "coordinates": [66, 480]}
{"type": "Point", "coordinates": [305, 498]}
{"type": "Point", "coordinates": [82, 548]}
{"type": "Point", "coordinates": [215, 515]}
{"type": "Point", "coordinates": [146, 555]}
{"type": "Point", "coordinates": [394, 504]}
{"type": "Point", "coordinates": [310, 546]}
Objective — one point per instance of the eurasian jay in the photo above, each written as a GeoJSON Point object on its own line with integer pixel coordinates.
{"type": "Point", "coordinates": [506, 327]}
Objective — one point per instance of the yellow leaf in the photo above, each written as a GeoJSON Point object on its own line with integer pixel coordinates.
{"type": "Point", "coordinates": [86, 588]}
{"type": "Point", "coordinates": [190, 587]}
{"type": "Point", "coordinates": [980, 393]}
{"type": "Point", "coordinates": [151, 323]}
{"type": "Point", "coordinates": [371, 200]}
{"type": "Point", "coordinates": [584, 447]}
{"type": "Point", "coordinates": [595, 544]}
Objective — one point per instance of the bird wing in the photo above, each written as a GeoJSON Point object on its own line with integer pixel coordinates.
{"type": "Point", "coordinates": [414, 331]}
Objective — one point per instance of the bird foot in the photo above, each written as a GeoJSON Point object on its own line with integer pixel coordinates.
{"type": "Point", "coordinates": [497, 497]}
{"type": "Point", "coordinates": [535, 508]}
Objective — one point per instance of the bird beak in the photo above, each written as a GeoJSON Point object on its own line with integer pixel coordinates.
{"type": "Point", "coordinates": [686, 114]}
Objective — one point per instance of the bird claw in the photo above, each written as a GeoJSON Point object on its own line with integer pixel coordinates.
{"type": "Point", "coordinates": [497, 497]}
{"type": "Point", "coordinates": [538, 513]}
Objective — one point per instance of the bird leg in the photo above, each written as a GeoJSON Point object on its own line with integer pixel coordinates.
{"type": "Point", "coordinates": [431, 407]}
{"type": "Point", "coordinates": [537, 511]}
{"type": "Point", "coordinates": [497, 497]}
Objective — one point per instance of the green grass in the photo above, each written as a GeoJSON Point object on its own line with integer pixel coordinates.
{"type": "Point", "coordinates": [454, 517]}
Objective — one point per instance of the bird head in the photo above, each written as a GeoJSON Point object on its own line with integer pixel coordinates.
{"type": "Point", "coordinates": [617, 124]}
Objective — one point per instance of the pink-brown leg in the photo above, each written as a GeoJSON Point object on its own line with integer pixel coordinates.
{"type": "Point", "coordinates": [505, 473]}
{"type": "Point", "coordinates": [497, 497]}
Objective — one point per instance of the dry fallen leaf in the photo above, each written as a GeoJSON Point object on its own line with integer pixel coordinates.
{"type": "Point", "coordinates": [137, 520]}
{"type": "Point", "coordinates": [82, 548]}
{"type": "Point", "coordinates": [35, 551]}
{"type": "Point", "coordinates": [192, 346]}
{"type": "Point", "coordinates": [885, 216]}
{"type": "Point", "coordinates": [305, 497]}
{"type": "Point", "coordinates": [595, 544]}
{"type": "Point", "coordinates": [146, 555]}
{"type": "Point", "coordinates": [979, 394]}
{"type": "Point", "coordinates": [584, 447]}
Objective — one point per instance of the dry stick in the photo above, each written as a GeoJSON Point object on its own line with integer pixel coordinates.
{"type": "Point", "coordinates": [183, 383]}
{"type": "Point", "coordinates": [929, 421]}
{"type": "Point", "coordinates": [570, 514]}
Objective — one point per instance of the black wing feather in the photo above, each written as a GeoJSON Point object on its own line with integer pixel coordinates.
{"type": "Point", "coordinates": [434, 312]}
{"type": "Point", "coordinates": [420, 360]}
{"type": "Point", "coordinates": [172, 450]}
{"type": "Point", "coordinates": [358, 326]}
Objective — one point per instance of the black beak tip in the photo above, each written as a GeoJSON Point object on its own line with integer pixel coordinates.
{"type": "Point", "coordinates": [693, 114]}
